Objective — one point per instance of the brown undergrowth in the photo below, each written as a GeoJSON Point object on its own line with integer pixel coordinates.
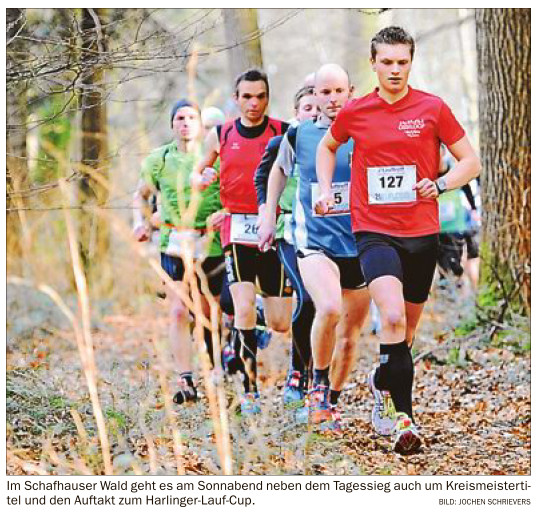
{"type": "Point", "coordinates": [472, 404]}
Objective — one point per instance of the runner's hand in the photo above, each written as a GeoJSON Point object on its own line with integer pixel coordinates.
{"type": "Point", "coordinates": [209, 175]}
{"type": "Point", "coordinates": [324, 204]}
{"type": "Point", "coordinates": [426, 188]}
{"type": "Point", "coordinates": [142, 233]}
{"type": "Point", "coordinates": [215, 220]}
{"type": "Point", "coordinates": [203, 180]}
{"type": "Point", "coordinates": [266, 234]}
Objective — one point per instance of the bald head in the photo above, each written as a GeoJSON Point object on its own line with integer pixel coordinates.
{"type": "Point", "coordinates": [331, 71]}
{"type": "Point", "coordinates": [308, 81]}
{"type": "Point", "coordinates": [332, 89]}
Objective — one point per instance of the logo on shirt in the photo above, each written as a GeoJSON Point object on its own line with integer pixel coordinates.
{"type": "Point", "coordinates": [235, 146]}
{"type": "Point", "coordinates": [412, 128]}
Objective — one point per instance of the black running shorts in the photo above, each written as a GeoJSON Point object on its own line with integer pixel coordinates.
{"type": "Point", "coordinates": [249, 264]}
{"type": "Point", "coordinates": [349, 268]}
{"type": "Point", "coordinates": [213, 268]}
{"type": "Point", "coordinates": [450, 253]}
{"type": "Point", "coordinates": [410, 259]}
{"type": "Point", "coordinates": [472, 244]}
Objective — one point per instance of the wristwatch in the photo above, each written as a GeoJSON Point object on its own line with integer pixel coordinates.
{"type": "Point", "coordinates": [441, 185]}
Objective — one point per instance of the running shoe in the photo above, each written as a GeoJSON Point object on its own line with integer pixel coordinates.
{"type": "Point", "coordinates": [301, 415]}
{"type": "Point", "coordinates": [319, 408]}
{"type": "Point", "coordinates": [383, 412]}
{"type": "Point", "coordinates": [230, 360]}
{"type": "Point", "coordinates": [294, 390]}
{"type": "Point", "coordinates": [185, 394]}
{"type": "Point", "coordinates": [263, 338]}
{"type": "Point", "coordinates": [334, 425]}
{"type": "Point", "coordinates": [260, 316]}
{"type": "Point", "coordinates": [406, 438]}
{"type": "Point", "coordinates": [250, 404]}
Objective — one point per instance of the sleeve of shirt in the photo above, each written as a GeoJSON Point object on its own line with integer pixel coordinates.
{"type": "Point", "coordinates": [264, 167]}
{"type": "Point", "coordinates": [449, 129]}
{"type": "Point", "coordinates": [148, 170]}
{"type": "Point", "coordinates": [286, 157]}
{"type": "Point", "coordinates": [339, 127]}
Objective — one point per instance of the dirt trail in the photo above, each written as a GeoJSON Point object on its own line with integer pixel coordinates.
{"type": "Point", "coordinates": [473, 407]}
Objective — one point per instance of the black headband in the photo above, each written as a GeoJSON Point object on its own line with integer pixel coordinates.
{"type": "Point", "coordinates": [180, 104]}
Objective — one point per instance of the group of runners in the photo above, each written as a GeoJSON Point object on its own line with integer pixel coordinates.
{"type": "Point", "coordinates": [318, 215]}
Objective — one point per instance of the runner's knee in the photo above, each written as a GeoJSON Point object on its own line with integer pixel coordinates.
{"type": "Point", "coordinates": [244, 309]}
{"type": "Point", "coordinates": [393, 318]}
{"type": "Point", "coordinates": [329, 310]}
{"type": "Point", "coordinates": [280, 324]}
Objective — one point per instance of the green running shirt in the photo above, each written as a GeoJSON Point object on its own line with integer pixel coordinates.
{"type": "Point", "coordinates": [168, 170]}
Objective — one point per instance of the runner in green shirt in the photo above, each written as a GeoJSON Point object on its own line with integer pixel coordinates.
{"type": "Point", "coordinates": [183, 231]}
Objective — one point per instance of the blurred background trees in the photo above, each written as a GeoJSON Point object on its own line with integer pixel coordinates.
{"type": "Point", "coordinates": [89, 92]}
{"type": "Point", "coordinates": [243, 38]}
{"type": "Point", "coordinates": [504, 63]}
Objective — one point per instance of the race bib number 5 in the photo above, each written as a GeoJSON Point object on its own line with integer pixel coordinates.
{"type": "Point", "coordinates": [341, 198]}
{"type": "Point", "coordinates": [243, 229]}
{"type": "Point", "coordinates": [391, 184]}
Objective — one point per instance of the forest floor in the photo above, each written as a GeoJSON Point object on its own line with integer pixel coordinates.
{"type": "Point", "coordinates": [472, 403]}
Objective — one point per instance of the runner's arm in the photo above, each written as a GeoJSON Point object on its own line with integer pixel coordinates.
{"type": "Point", "coordinates": [276, 184]}
{"type": "Point", "coordinates": [468, 167]}
{"type": "Point", "coordinates": [468, 164]}
{"type": "Point", "coordinates": [141, 211]}
{"type": "Point", "coordinates": [283, 167]}
{"type": "Point", "coordinates": [325, 168]}
{"type": "Point", "coordinates": [268, 215]}
{"type": "Point", "coordinates": [203, 172]}
{"type": "Point", "coordinates": [264, 168]}
{"type": "Point", "coordinates": [467, 190]}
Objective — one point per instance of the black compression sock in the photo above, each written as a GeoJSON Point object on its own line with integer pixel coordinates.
{"type": "Point", "coordinates": [334, 396]}
{"type": "Point", "coordinates": [188, 377]}
{"type": "Point", "coordinates": [396, 375]}
{"type": "Point", "coordinates": [321, 377]}
{"type": "Point", "coordinates": [248, 355]}
{"type": "Point", "coordinates": [301, 337]}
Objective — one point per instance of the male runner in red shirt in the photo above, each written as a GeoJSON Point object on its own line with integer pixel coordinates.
{"type": "Point", "coordinates": [397, 132]}
{"type": "Point", "coordinates": [240, 143]}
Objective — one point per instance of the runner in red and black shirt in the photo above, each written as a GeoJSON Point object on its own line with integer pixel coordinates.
{"type": "Point", "coordinates": [240, 145]}
{"type": "Point", "coordinates": [397, 132]}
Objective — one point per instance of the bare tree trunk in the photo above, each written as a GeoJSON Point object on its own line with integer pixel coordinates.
{"type": "Point", "coordinates": [94, 229]}
{"type": "Point", "coordinates": [504, 61]}
{"type": "Point", "coordinates": [466, 39]}
{"type": "Point", "coordinates": [241, 32]}
{"type": "Point", "coordinates": [359, 29]}
{"type": "Point", "coordinates": [16, 163]}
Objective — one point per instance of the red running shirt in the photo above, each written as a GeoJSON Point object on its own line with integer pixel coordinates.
{"type": "Point", "coordinates": [240, 156]}
{"type": "Point", "coordinates": [387, 138]}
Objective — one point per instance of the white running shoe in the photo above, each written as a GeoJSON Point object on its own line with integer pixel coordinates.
{"type": "Point", "coordinates": [406, 438]}
{"type": "Point", "coordinates": [383, 412]}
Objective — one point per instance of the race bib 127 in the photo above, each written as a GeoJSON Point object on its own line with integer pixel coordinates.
{"type": "Point", "coordinates": [391, 184]}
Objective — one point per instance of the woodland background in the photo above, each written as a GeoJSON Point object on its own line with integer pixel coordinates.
{"type": "Point", "coordinates": [88, 96]}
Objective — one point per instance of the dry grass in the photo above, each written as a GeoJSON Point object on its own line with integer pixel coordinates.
{"type": "Point", "coordinates": [473, 406]}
